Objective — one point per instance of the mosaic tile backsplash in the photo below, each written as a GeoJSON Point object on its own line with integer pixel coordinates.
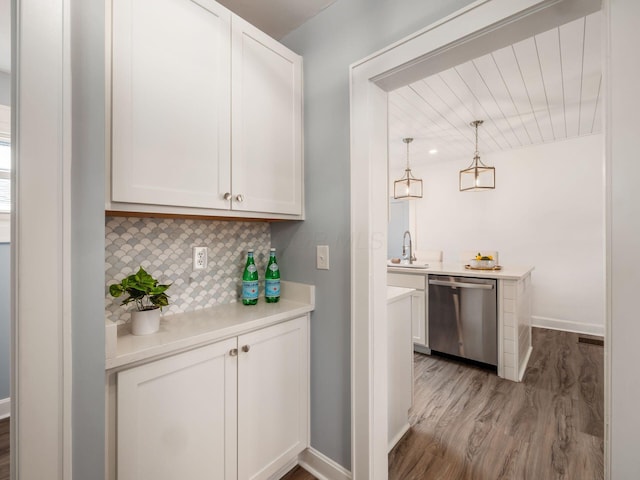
{"type": "Point", "coordinates": [163, 247]}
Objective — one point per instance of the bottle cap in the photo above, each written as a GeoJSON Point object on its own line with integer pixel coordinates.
{"type": "Point", "coordinates": [250, 250]}
{"type": "Point", "coordinates": [272, 249]}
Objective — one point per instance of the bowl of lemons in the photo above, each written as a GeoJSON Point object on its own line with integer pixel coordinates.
{"type": "Point", "coordinates": [483, 261]}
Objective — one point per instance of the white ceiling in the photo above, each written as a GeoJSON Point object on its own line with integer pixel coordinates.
{"type": "Point", "coordinates": [543, 89]}
{"type": "Point", "coordinates": [5, 36]}
{"type": "Point", "coordinates": [276, 17]}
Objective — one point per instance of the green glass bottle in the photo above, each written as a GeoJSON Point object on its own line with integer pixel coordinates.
{"type": "Point", "coordinates": [250, 281]}
{"type": "Point", "coordinates": [272, 279]}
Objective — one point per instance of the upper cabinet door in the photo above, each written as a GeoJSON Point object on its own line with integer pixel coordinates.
{"type": "Point", "coordinates": [267, 123]}
{"type": "Point", "coordinates": [171, 102]}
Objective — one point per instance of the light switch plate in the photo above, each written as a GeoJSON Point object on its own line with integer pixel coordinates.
{"type": "Point", "coordinates": [322, 257]}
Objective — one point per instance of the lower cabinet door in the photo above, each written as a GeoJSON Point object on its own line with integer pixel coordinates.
{"type": "Point", "coordinates": [177, 416]}
{"type": "Point", "coordinates": [399, 368]}
{"type": "Point", "coordinates": [272, 398]}
{"type": "Point", "coordinates": [418, 319]}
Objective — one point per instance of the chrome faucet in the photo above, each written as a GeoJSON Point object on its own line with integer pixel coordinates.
{"type": "Point", "coordinates": [411, 258]}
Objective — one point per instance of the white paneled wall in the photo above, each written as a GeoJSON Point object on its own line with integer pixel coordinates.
{"type": "Point", "coordinates": [547, 210]}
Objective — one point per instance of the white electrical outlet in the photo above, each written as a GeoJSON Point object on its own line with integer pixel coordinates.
{"type": "Point", "coordinates": [199, 258]}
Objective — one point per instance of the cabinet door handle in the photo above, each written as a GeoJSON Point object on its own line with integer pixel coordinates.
{"type": "Point", "coordinates": [233, 352]}
{"type": "Point", "coordinates": [227, 196]}
{"type": "Point", "coordinates": [239, 198]}
{"type": "Point", "coordinates": [246, 348]}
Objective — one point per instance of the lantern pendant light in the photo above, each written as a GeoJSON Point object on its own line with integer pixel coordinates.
{"type": "Point", "coordinates": [408, 186]}
{"type": "Point", "coordinates": [477, 176]}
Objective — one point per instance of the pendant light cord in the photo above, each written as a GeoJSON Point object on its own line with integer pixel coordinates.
{"type": "Point", "coordinates": [477, 154]}
{"type": "Point", "coordinates": [407, 155]}
{"type": "Point", "coordinates": [407, 140]}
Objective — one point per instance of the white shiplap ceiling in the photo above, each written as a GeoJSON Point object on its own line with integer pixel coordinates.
{"type": "Point", "coordinates": [543, 89]}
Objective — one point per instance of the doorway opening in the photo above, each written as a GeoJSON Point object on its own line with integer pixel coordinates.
{"type": "Point", "coordinates": [469, 33]}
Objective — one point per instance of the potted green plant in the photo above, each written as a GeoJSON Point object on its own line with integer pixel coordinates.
{"type": "Point", "coordinates": [149, 298]}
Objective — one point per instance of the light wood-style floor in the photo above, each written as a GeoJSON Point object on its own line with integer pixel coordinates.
{"type": "Point", "coordinates": [4, 449]}
{"type": "Point", "coordinates": [467, 423]}
{"type": "Point", "coordinates": [298, 473]}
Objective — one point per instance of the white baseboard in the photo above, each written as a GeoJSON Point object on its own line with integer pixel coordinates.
{"type": "Point", "coordinates": [5, 408]}
{"type": "Point", "coordinates": [284, 470]}
{"type": "Point", "coordinates": [322, 466]}
{"type": "Point", "coordinates": [405, 428]}
{"type": "Point", "coordinates": [523, 367]}
{"type": "Point", "coordinates": [567, 326]}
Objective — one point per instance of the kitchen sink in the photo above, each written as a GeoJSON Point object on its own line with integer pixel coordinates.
{"type": "Point", "coordinates": [408, 265]}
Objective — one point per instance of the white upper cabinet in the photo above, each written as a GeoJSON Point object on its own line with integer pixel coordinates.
{"type": "Point", "coordinates": [171, 103]}
{"type": "Point", "coordinates": [267, 123]}
{"type": "Point", "coordinates": [206, 113]}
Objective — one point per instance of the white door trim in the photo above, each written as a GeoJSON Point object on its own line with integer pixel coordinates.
{"type": "Point", "coordinates": [466, 32]}
{"type": "Point", "coordinates": [41, 319]}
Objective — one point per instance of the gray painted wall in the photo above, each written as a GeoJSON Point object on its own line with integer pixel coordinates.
{"type": "Point", "coordinates": [343, 33]}
{"type": "Point", "coordinates": [87, 237]}
{"type": "Point", "coordinates": [5, 320]}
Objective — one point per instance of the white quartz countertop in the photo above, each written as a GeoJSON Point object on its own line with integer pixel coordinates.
{"type": "Point", "coordinates": [509, 272]}
{"type": "Point", "coordinates": [397, 293]}
{"type": "Point", "coordinates": [183, 331]}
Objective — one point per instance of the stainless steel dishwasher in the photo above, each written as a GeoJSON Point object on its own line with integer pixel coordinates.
{"type": "Point", "coordinates": [463, 317]}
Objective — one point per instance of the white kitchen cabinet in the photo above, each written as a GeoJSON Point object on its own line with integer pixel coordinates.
{"type": "Point", "coordinates": [267, 123]}
{"type": "Point", "coordinates": [235, 409]}
{"type": "Point", "coordinates": [170, 104]}
{"type": "Point", "coordinates": [514, 327]}
{"type": "Point", "coordinates": [272, 398]}
{"type": "Point", "coordinates": [514, 293]}
{"type": "Point", "coordinates": [206, 114]}
{"type": "Point", "coordinates": [176, 416]}
{"type": "Point", "coordinates": [400, 366]}
{"type": "Point", "coordinates": [418, 318]}
{"type": "Point", "coordinates": [419, 305]}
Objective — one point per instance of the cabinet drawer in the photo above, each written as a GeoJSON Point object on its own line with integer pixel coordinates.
{"type": "Point", "coordinates": [406, 281]}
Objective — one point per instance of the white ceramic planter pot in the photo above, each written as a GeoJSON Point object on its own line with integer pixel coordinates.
{"type": "Point", "coordinates": [145, 322]}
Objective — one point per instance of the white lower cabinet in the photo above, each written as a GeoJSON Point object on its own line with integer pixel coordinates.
{"type": "Point", "coordinates": [418, 318]}
{"type": "Point", "coordinates": [419, 325]}
{"type": "Point", "coordinates": [176, 416]}
{"type": "Point", "coordinates": [272, 398]}
{"type": "Point", "coordinates": [400, 368]}
{"type": "Point", "coordinates": [514, 327]}
{"type": "Point", "coordinates": [235, 409]}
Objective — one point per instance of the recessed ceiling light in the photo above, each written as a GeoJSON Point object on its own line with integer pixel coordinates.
{"type": "Point", "coordinates": [433, 151]}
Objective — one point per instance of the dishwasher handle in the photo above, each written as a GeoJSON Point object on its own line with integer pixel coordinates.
{"type": "Point", "coordinates": [479, 286]}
